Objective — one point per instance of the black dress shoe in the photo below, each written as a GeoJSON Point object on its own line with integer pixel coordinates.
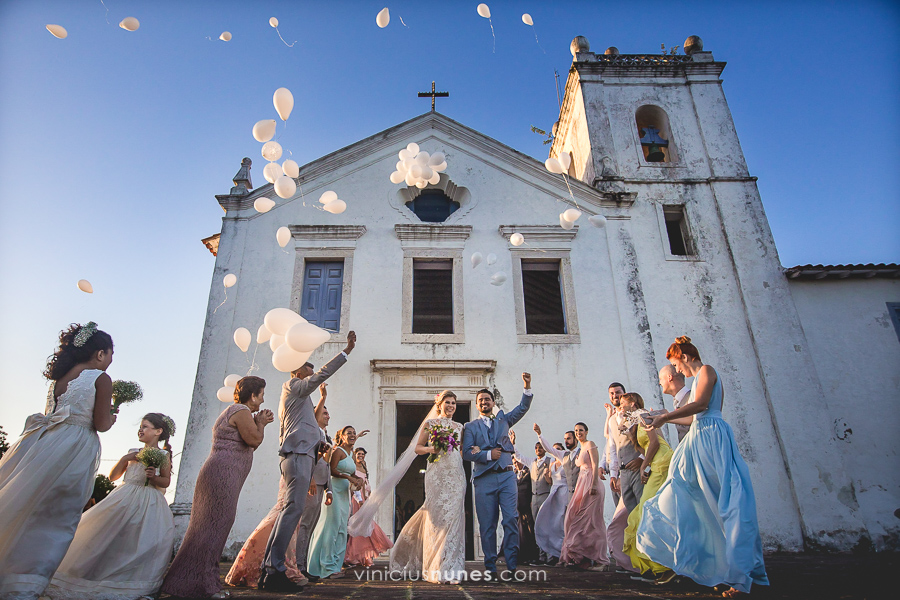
{"type": "Point", "coordinates": [553, 561]}
{"type": "Point", "coordinates": [312, 578]}
{"type": "Point", "coordinates": [261, 582]}
{"type": "Point", "coordinates": [279, 582]}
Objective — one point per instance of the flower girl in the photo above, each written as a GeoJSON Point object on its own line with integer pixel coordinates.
{"type": "Point", "coordinates": [124, 543]}
{"type": "Point", "coordinates": [48, 474]}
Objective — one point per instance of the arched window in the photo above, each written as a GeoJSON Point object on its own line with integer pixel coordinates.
{"type": "Point", "coordinates": [654, 133]}
{"type": "Point", "coordinates": [432, 206]}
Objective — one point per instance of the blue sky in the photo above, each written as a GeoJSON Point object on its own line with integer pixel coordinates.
{"type": "Point", "coordinates": [113, 144]}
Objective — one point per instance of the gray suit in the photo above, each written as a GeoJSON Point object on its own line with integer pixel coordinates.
{"type": "Point", "coordinates": [682, 397]}
{"type": "Point", "coordinates": [540, 489]}
{"type": "Point", "coordinates": [299, 438]}
{"type": "Point", "coordinates": [312, 510]}
{"type": "Point", "coordinates": [567, 457]}
{"type": "Point", "coordinates": [629, 481]}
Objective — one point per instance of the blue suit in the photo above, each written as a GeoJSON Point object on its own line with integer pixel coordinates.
{"type": "Point", "coordinates": [495, 482]}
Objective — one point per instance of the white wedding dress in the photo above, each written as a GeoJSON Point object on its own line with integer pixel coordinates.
{"type": "Point", "coordinates": [45, 480]}
{"type": "Point", "coordinates": [433, 540]}
{"type": "Point", "coordinates": [122, 546]}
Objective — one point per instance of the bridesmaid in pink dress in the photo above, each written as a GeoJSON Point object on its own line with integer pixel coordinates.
{"type": "Point", "coordinates": [364, 550]}
{"type": "Point", "coordinates": [585, 536]}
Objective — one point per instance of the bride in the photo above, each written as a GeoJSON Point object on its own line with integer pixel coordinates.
{"type": "Point", "coordinates": [433, 540]}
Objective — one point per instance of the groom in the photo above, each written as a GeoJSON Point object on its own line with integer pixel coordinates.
{"type": "Point", "coordinates": [299, 441]}
{"type": "Point", "coordinates": [486, 443]}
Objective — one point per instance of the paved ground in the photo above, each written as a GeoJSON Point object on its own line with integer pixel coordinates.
{"type": "Point", "coordinates": [792, 576]}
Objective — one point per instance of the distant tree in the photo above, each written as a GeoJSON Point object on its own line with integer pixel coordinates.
{"type": "Point", "coordinates": [102, 487]}
{"type": "Point", "coordinates": [4, 445]}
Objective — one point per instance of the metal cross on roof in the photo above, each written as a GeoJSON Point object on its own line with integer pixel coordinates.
{"type": "Point", "coordinates": [433, 94]}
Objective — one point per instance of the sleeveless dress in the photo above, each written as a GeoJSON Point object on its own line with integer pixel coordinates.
{"type": "Point", "coordinates": [122, 546]}
{"type": "Point", "coordinates": [46, 478]}
{"type": "Point", "coordinates": [363, 550]}
{"type": "Point", "coordinates": [585, 530]}
{"type": "Point", "coordinates": [195, 571]}
{"type": "Point", "coordinates": [702, 523]}
{"type": "Point", "coordinates": [433, 541]}
{"type": "Point", "coordinates": [659, 472]}
{"type": "Point", "coordinates": [550, 522]}
{"type": "Point", "coordinates": [328, 543]}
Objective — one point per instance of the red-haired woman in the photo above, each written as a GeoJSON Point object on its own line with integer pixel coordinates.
{"type": "Point", "coordinates": [702, 523]}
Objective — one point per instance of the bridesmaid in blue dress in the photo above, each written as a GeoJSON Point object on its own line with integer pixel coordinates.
{"type": "Point", "coordinates": [702, 523]}
{"type": "Point", "coordinates": [329, 541]}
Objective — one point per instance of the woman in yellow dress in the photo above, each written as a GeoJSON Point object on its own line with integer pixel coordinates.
{"type": "Point", "coordinates": [655, 469]}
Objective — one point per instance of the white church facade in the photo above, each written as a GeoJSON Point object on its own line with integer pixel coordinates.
{"type": "Point", "coordinates": [686, 249]}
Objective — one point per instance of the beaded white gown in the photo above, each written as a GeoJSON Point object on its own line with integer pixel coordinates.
{"type": "Point", "coordinates": [46, 478]}
{"type": "Point", "coordinates": [433, 541]}
{"type": "Point", "coordinates": [122, 546]}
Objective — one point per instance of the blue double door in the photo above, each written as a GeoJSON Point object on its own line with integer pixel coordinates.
{"type": "Point", "coordinates": [321, 300]}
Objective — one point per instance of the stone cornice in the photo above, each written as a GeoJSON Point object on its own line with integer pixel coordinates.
{"type": "Point", "coordinates": [326, 232]}
{"type": "Point", "coordinates": [540, 233]}
{"type": "Point", "coordinates": [473, 366]}
{"type": "Point", "coordinates": [455, 235]}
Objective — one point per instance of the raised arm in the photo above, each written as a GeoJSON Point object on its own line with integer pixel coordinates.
{"type": "Point", "coordinates": [320, 405]}
{"type": "Point", "coordinates": [513, 416]}
{"type": "Point", "coordinates": [548, 448]}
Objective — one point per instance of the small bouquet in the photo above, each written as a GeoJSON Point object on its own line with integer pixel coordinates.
{"type": "Point", "coordinates": [443, 438]}
{"type": "Point", "coordinates": [124, 392]}
{"type": "Point", "coordinates": [152, 458]}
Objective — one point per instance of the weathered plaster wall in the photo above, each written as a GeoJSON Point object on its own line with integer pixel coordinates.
{"type": "Point", "coordinates": [857, 355]}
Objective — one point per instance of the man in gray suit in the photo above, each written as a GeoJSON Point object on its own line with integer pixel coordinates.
{"type": "Point", "coordinates": [672, 384]}
{"type": "Point", "coordinates": [319, 487]}
{"type": "Point", "coordinates": [299, 440]}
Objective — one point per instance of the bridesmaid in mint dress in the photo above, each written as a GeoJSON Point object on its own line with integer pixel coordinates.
{"type": "Point", "coordinates": [702, 524]}
{"type": "Point", "coordinates": [329, 541]}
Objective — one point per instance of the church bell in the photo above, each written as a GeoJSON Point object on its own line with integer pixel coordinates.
{"type": "Point", "coordinates": [655, 153]}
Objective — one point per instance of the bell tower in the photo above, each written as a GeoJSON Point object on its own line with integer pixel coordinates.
{"type": "Point", "coordinates": [691, 252]}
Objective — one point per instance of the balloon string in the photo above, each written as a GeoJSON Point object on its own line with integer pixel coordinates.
{"type": "Point", "coordinates": [253, 365]}
{"type": "Point", "coordinates": [282, 39]}
{"type": "Point", "coordinates": [107, 12]}
{"type": "Point", "coordinates": [223, 301]}
{"type": "Point", "coordinates": [492, 35]}
{"type": "Point", "coordinates": [536, 40]}
{"type": "Point", "coordinates": [401, 20]}
{"type": "Point", "coordinates": [566, 179]}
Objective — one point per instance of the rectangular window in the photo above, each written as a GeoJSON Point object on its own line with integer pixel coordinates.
{"type": "Point", "coordinates": [676, 228]}
{"type": "Point", "coordinates": [432, 304]}
{"type": "Point", "coordinates": [542, 293]}
{"type": "Point", "coordinates": [323, 283]}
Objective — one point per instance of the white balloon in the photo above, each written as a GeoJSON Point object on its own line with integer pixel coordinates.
{"type": "Point", "coordinates": [242, 338]}
{"type": "Point", "coordinates": [397, 177]}
{"type": "Point", "coordinates": [263, 334]}
{"type": "Point", "coordinates": [336, 207]}
{"type": "Point", "coordinates": [498, 279]}
{"type": "Point", "coordinates": [129, 24]}
{"type": "Point", "coordinates": [421, 184]}
{"type": "Point", "coordinates": [279, 320]}
{"type": "Point", "coordinates": [491, 258]}
{"type": "Point", "coordinates": [85, 286]}
{"type": "Point", "coordinates": [230, 280]}
{"type": "Point", "coordinates": [264, 130]}
{"type": "Point", "coordinates": [571, 214]}
{"type": "Point", "coordinates": [226, 36]}
{"type": "Point", "coordinates": [273, 22]}
{"type": "Point", "coordinates": [271, 150]}
{"type": "Point", "coordinates": [526, 18]}
{"type": "Point", "coordinates": [517, 239]}
{"type": "Point", "coordinates": [435, 179]}
{"type": "Point", "coordinates": [409, 179]}
{"type": "Point", "coordinates": [286, 360]}
{"type": "Point", "coordinates": [263, 205]}
{"type": "Point", "coordinates": [565, 159]}
{"type": "Point", "coordinates": [413, 148]}
{"type": "Point", "coordinates": [422, 158]}
{"type": "Point", "coordinates": [291, 168]}
{"type": "Point", "coordinates": [276, 341]}
{"type": "Point", "coordinates": [484, 11]}
{"type": "Point", "coordinates": [416, 171]}
{"type": "Point", "coordinates": [58, 31]}
{"type": "Point", "coordinates": [225, 394]}
{"type": "Point", "coordinates": [597, 221]}
{"type": "Point", "coordinates": [283, 100]}
{"type": "Point", "coordinates": [383, 18]}
{"type": "Point", "coordinates": [436, 159]}
{"type": "Point", "coordinates": [404, 154]}
{"type": "Point", "coordinates": [283, 236]}
{"type": "Point", "coordinates": [327, 197]}
{"type": "Point", "coordinates": [565, 224]}
{"type": "Point", "coordinates": [232, 380]}
{"type": "Point", "coordinates": [272, 171]}
{"type": "Point", "coordinates": [476, 259]}
{"type": "Point", "coordinates": [285, 187]}
{"type": "Point", "coordinates": [440, 167]}
{"type": "Point", "coordinates": [306, 337]}
{"type": "Point", "coordinates": [554, 166]}
{"type": "Point", "coordinates": [427, 173]}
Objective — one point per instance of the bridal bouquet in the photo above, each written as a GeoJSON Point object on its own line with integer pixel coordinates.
{"type": "Point", "coordinates": [124, 392]}
{"type": "Point", "coordinates": [152, 458]}
{"type": "Point", "coordinates": [443, 438]}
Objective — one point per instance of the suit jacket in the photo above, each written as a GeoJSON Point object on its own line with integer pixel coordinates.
{"type": "Point", "coordinates": [476, 433]}
{"type": "Point", "coordinates": [567, 458]}
{"type": "Point", "coordinates": [299, 432]}
{"type": "Point", "coordinates": [322, 473]}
